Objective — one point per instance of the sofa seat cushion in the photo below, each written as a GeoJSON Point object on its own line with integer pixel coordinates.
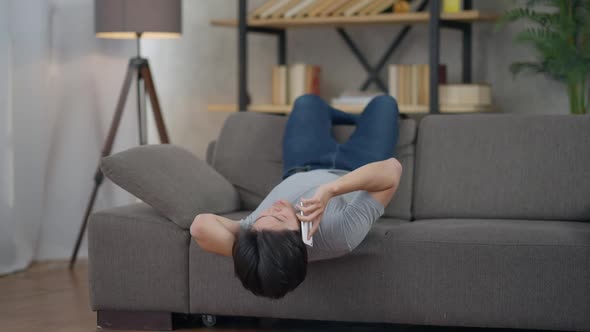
{"type": "Point", "coordinates": [431, 272]}
{"type": "Point", "coordinates": [497, 232]}
{"type": "Point", "coordinates": [137, 260]}
{"type": "Point", "coordinates": [215, 289]}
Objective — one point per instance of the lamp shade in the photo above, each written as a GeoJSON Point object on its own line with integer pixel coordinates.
{"type": "Point", "coordinates": [127, 18]}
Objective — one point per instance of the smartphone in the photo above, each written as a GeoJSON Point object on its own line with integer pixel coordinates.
{"type": "Point", "coordinates": [306, 229]}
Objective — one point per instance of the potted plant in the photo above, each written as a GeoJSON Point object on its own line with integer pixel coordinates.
{"type": "Point", "coordinates": [560, 34]}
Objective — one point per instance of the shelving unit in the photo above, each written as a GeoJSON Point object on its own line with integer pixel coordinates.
{"type": "Point", "coordinates": [400, 18]}
{"type": "Point", "coordinates": [461, 21]}
{"type": "Point", "coordinates": [404, 109]}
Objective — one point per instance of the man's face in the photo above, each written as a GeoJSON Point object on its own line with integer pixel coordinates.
{"type": "Point", "coordinates": [280, 216]}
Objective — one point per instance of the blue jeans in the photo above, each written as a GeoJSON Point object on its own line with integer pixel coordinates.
{"type": "Point", "coordinates": [308, 143]}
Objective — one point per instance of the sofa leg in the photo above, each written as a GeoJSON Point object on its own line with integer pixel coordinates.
{"type": "Point", "coordinates": [134, 320]}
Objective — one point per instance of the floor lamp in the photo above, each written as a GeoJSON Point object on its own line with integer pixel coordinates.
{"type": "Point", "coordinates": [132, 19]}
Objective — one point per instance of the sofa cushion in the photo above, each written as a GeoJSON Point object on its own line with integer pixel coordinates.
{"type": "Point", "coordinates": [499, 232]}
{"type": "Point", "coordinates": [248, 153]}
{"type": "Point", "coordinates": [400, 205]}
{"type": "Point", "coordinates": [172, 180]}
{"type": "Point", "coordinates": [507, 166]}
{"type": "Point", "coordinates": [502, 273]}
{"type": "Point", "coordinates": [137, 260]}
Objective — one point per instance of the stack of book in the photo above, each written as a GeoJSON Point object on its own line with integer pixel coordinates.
{"type": "Point", "coordinates": [354, 98]}
{"type": "Point", "coordinates": [322, 8]}
{"type": "Point", "coordinates": [409, 84]}
{"type": "Point", "coordinates": [290, 82]}
{"type": "Point", "coordinates": [466, 96]}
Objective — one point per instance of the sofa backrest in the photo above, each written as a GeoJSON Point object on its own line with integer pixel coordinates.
{"type": "Point", "coordinates": [248, 152]}
{"type": "Point", "coordinates": [503, 166]}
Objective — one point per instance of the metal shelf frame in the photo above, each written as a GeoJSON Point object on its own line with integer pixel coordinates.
{"type": "Point", "coordinates": [435, 24]}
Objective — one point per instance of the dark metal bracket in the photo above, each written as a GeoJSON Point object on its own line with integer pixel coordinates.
{"type": "Point", "coordinates": [373, 72]}
{"type": "Point", "coordinates": [435, 24]}
{"type": "Point", "coordinates": [467, 33]}
{"type": "Point", "coordinates": [243, 30]}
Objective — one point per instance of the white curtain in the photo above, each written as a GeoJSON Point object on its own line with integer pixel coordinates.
{"type": "Point", "coordinates": [58, 89]}
{"type": "Point", "coordinates": [7, 252]}
{"type": "Point", "coordinates": [24, 130]}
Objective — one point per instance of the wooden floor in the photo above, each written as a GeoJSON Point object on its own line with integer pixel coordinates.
{"type": "Point", "coordinates": [50, 298]}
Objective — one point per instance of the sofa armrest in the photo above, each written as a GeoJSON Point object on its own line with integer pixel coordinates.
{"type": "Point", "coordinates": [172, 180]}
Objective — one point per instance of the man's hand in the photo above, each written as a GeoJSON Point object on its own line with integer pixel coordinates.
{"type": "Point", "coordinates": [313, 208]}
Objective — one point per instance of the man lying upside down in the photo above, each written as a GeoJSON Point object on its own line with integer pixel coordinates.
{"type": "Point", "coordinates": [341, 188]}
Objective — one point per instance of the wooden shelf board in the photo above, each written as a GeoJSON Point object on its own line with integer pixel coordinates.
{"type": "Point", "coordinates": [404, 109]}
{"type": "Point", "coordinates": [399, 18]}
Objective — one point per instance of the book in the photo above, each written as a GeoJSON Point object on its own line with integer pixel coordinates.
{"type": "Point", "coordinates": [400, 84]}
{"type": "Point", "coordinates": [442, 74]}
{"type": "Point", "coordinates": [279, 85]}
{"type": "Point", "coordinates": [305, 11]}
{"type": "Point", "coordinates": [452, 6]}
{"type": "Point", "coordinates": [369, 8]}
{"type": "Point", "coordinates": [321, 6]}
{"type": "Point", "coordinates": [334, 6]}
{"type": "Point", "coordinates": [345, 7]}
{"type": "Point", "coordinates": [312, 80]}
{"type": "Point", "coordinates": [403, 76]}
{"type": "Point", "coordinates": [414, 84]}
{"type": "Point", "coordinates": [308, 78]}
{"type": "Point", "coordinates": [359, 5]}
{"type": "Point", "coordinates": [274, 96]}
{"type": "Point", "coordinates": [410, 84]}
{"type": "Point", "coordinates": [296, 9]}
{"type": "Point", "coordinates": [424, 85]}
{"type": "Point", "coordinates": [272, 9]}
{"type": "Point", "coordinates": [302, 79]}
{"type": "Point", "coordinates": [465, 94]}
{"type": "Point", "coordinates": [296, 81]}
{"type": "Point", "coordinates": [393, 69]}
{"type": "Point", "coordinates": [258, 11]}
{"type": "Point", "coordinates": [284, 9]}
{"type": "Point", "coordinates": [384, 6]}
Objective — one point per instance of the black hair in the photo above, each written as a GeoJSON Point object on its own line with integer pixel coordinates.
{"type": "Point", "coordinates": [270, 263]}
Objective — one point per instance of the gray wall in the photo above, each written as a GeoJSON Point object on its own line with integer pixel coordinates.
{"type": "Point", "coordinates": [84, 77]}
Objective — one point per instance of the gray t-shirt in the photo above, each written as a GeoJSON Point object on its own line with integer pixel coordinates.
{"type": "Point", "coordinates": [347, 218]}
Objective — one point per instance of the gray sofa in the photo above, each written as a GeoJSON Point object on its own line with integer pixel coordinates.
{"type": "Point", "coordinates": [489, 228]}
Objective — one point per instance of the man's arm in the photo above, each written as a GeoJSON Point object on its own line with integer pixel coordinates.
{"type": "Point", "coordinates": [214, 233]}
{"type": "Point", "coordinates": [380, 179]}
